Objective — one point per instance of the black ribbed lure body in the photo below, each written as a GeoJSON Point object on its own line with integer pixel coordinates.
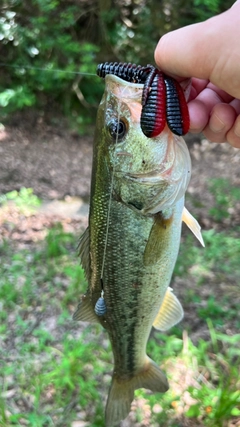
{"type": "Point", "coordinates": [176, 108]}
{"type": "Point", "coordinates": [125, 70]}
{"type": "Point", "coordinates": [153, 116]}
{"type": "Point", "coordinates": [163, 99]}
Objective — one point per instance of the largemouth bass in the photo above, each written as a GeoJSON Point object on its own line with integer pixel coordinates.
{"type": "Point", "coordinates": [130, 248]}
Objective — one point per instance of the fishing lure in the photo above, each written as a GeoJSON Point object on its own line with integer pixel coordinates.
{"type": "Point", "coordinates": [176, 107]}
{"type": "Point", "coordinates": [153, 116]}
{"type": "Point", "coordinates": [100, 306]}
{"type": "Point", "coordinates": [125, 70]}
{"type": "Point", "coordinates": [163, 99]}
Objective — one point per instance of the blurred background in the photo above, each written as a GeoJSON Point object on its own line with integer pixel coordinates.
{"type": "Point", "coordinates": [74, 36]}
{"type": "Point", "coordinates": [53, 371]}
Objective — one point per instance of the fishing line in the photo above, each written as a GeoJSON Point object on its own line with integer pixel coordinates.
{"type": "Point", "coordinates": [100, 306]}
{"type": "Point", "coordinates": [110, 199]}
{"type": "Point", "coordinates": [29, 67]}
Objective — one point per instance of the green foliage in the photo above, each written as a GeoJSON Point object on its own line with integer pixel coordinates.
{"type": "Point", "coordinates": [205, 9]}
{"type": "Point", "coordinates": [41, 39]}
{"type": "Point", "coordinates": [206, 268]}
{"type": "Point", "coordinates": [217, 404]}
{"type": "Point", "coordinates": [48, 42]}
{"type": "Point", "coordinates": [76, 276]}
{"type": "Point", "coordinates": [225, 196]}
{"type": "Point", "coordinates": [220, 401]}
{"type": "Point", "coordinates": [215, 395]}
{"type": "Point", "coordinates": [17, 98]}
{"type": "Point", "coordinates": [68, 374]}
{"type": "Point", "coordinates": [58, 242]}
{"type": "Point", "coordinates": [58, 370]}
{"type": "Point", "coordinates": [25, 200]}
{"type": "Point", "coordinates": [28, 294]}
{"type": "Point", "coordinates": [170, 346]}
{"type": "Point", "coordinates": [219, 247]}
{"type": "Point", "coordinates": [212, 309]}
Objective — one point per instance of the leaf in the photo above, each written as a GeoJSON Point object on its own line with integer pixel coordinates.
{"type": "Point", "coordinates": [193, 411]}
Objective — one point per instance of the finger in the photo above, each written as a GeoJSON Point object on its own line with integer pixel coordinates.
{"type": "Point", "coordinates": [210, 96]}
{"type": "Point", "coordinates": [197, 85]}
{"type": "Point", "coordinates": [200, 109]}
{"type": "Point", "coordinates": [188, 52]}
{"type": "Point", "coordinates": [233, 136]}
{"type": "Point", "coordinates": [175, 55]}
{"type": "Point", "coordinates": [236, 104]}
{"type": "Point", "coordinates": [205, 91]}
{"type": "Point", "coordinates": [221, 120]}
{"type": "Point", "coordinates": [199, 116]}
{"type": "Point", "coordinates": [221, 95]}
{"type": "Point", "coordinates": [202, 106]}
{"type": "Point", "coordinates": [236, 2]}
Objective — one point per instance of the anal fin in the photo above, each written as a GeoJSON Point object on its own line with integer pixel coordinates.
{"type": "Point", "coordinates": [192, 223]}
{"type": "Point", "coordinates": [121, 393]}
{"type": "Point", "coordinates": [85, 311]}
{"type": "Point", "coordinates": [170, 313]}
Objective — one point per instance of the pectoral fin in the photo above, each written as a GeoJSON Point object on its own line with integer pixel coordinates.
{"type": "Point", "coordinates": [192, 223]}
{"type": "Point", "coordinates": [85, 311]}
{"type": "Point", "coordinates": [170, 312]}
{"type": "Point", "coordinates": [157, 237]}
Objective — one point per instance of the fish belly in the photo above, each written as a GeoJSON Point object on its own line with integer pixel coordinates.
{"type": "Point", "coordinates": [140, 255]}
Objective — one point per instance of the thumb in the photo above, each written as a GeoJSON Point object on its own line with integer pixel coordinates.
{"type": "Point", "coordinates": [184, 52]}
{"type": "Point", "coordinates": [207, 50]}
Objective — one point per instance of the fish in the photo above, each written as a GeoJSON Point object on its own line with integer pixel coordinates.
{"type": "Point", "coordinates": [130, 247]}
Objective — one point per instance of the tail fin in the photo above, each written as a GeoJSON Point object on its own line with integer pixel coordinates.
{"type": "Point", "coordinates": [121, 393]}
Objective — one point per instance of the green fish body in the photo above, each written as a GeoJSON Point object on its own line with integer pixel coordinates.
{"type": "Point", "coordinates": [131, 245]}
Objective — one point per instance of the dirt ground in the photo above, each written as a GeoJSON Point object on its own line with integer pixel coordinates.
{"type": "Point", "coordinates": [56, 163]}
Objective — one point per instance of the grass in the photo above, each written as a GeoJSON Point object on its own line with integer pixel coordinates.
{"type": "Point", "coordinates": [226, 196]}
{"type": "Point", "coordinates": [25, 200]}
{"type": "Point", "coordinates": [54, 371]}
{"type": "Point", "coordinates": [213, 276]}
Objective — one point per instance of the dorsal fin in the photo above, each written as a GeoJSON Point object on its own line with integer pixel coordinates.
{"type": "Point", "coordinates": [170, 312]}
{"type": "Point", "coordinates": [84, 253]}
{"type": "Point", "coordinates": [192, 223]}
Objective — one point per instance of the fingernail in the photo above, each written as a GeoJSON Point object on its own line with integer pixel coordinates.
{"type": "Point", "coordinates": [216, 124]}
{"type": "Point", "coordinates": [237, 128]}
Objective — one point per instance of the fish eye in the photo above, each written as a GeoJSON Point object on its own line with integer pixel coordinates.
{"type": "Point", "coordinates": [117, 129]}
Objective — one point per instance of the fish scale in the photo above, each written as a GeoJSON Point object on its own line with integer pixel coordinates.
{"type": "Point", "coordinates": [130, 248]}
{"type": "Point", "coordinates": [126, 303]}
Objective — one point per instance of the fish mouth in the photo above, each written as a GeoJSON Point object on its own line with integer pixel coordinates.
{"type": "Point", "coordinates": [123, 89]}
{"type": "Point", "coordinates": [117, 80]}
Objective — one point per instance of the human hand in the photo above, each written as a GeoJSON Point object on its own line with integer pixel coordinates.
{"type": "Point", "coordinates": [210, 53]}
